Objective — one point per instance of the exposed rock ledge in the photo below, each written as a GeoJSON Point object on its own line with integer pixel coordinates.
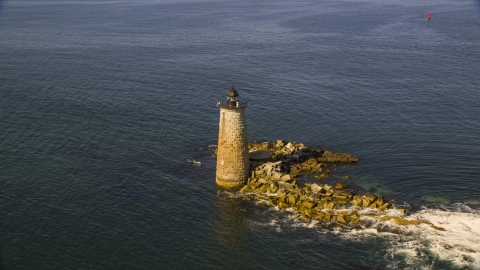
{"type": "Point", "coordinates": [275, 182]}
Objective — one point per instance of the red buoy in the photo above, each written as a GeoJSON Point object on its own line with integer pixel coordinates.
{"type": "Point", "coordinates": [429, 16]}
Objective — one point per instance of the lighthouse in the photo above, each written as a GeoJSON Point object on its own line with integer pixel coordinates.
{"type": "Point", "coordinates": [233, 165]}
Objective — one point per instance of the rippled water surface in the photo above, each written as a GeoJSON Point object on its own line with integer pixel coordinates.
{"type": "Point", "coordinates": [103, 102]}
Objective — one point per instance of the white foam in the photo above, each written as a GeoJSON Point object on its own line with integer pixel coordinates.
{"type": "Point", "coordinates": [458, 244]}
{"type": "Point", "coordinates": [419, 247]}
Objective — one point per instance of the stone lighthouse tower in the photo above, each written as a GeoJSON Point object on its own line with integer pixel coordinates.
{"type": "Point", "coordinates": [233, 166]}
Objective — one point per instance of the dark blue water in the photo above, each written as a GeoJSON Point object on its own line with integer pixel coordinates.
{"type": "Point", "coordinates": [102, 103]}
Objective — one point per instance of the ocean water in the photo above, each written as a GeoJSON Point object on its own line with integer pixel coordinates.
{"type": "Point", "coordinates": [103, 102]}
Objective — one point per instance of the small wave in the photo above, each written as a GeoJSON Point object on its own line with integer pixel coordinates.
{"type": "Point", "coordinates": [458, 245]}
{"type": "Point", "coordinates": [417, 246]}
{"type": "Point", "coordinates": [460, 242]}
{"type": "Point", "coordinates": [195, 163]}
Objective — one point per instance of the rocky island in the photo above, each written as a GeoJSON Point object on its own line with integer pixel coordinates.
{"type": "Point", "coordinates": [269, 172]}
{"type": "Point", "coordinates": [275, 172]}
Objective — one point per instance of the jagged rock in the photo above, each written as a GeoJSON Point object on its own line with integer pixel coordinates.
{"type": "Point", "coordinates": [303, 198]}
{"type": "Point", "coordinates": [345, 192]}
{"type": "Point", "coordinates": [272, 201]}
{"type": "Point", "coordinates": [320, 215]}
{"type": "Point", "coordinates": [303, 209]}
{"type": "Point", "coordinates": [305, 218]}
{"type": "Point", "coordinates": [274, 187]}
{"type": "Point", "coordinates": [245, 189]}
{"type": "Point", "coordinates": [308, 204]}
{"type": "Point", "coordinates": [261, 180]}
{"type": "Point", "coordinates": [316, 188]}
{"type": "Point", "coordinates": [325, 200]}
{"type": "Point", "coordinates": [380, 201]}
{"type": "Point", "coordinates": [292, 199]}
{"type": "Point", "coordinates": [340, 197]}
{"type": "Point", "coordinates": [285, 186]}
{"type": "Point", "coordinates": [329, 205]}
{"type": "Point", "coordinates": [384, 207]}
{"type": "Point", "coordinates": [307, 213]}
{"type": "Point", "coordinates": [276, 175]}
{"type": "Point", "coordinates": [355, 220]}
{"type": "Point", "coordinates": [286, 178]}
{"type": "Point", "coordinates": [343, 218]}
{"type": "Point", "coordinates": [282, 205]}
{"type": "Point", "coordinates": [369, 197]}
{"type": "Point", "coordinates": [357, 201]}
{"type": "Point", "coordinates": [261, 196]}
{"type": "Point", "coordinates": [340, 186]}
{"type": "Point", "coordinates": [365, 203]}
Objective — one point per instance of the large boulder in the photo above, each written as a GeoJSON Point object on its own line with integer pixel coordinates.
{"type": "Point", "coordinates": [284, 186]}
{"type": "Point", "coordinates": [316, 189]}
{"type": "Point", "coordinates": [274, 187]}
{"type": "Point", "coordinates": [286, 178]}
{"type": "Point", "coordinates": [369, 197]}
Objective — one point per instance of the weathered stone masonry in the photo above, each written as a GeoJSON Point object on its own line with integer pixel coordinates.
{"type": "Point", "coordinates": [233, 165]}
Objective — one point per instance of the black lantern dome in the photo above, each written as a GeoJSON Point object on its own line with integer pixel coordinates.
{"type": "Point", "coordinates": [232, 97]}
{"type": "Point", "coordinates": [233, 100]}
{"type": "Point", "coordinates": [232, 92]}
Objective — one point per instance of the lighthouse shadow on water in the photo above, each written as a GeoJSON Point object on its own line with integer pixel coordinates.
{"type": "Point", "coordinates": [228, 224]}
